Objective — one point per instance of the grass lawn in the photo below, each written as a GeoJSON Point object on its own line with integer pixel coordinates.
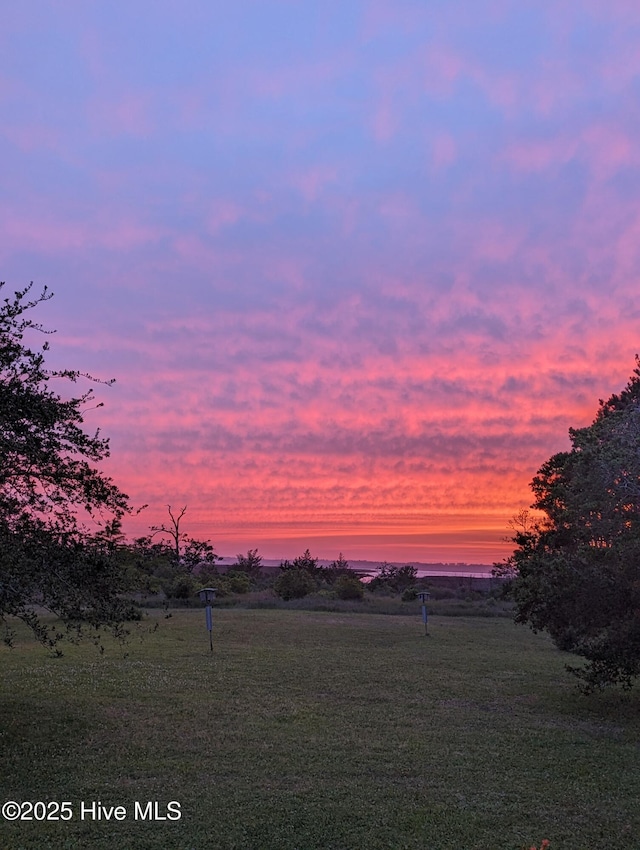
{"type": "Point", "coordinates": [324, 730]}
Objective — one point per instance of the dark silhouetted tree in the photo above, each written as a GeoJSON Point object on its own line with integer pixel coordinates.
{"type": "Point", "coordinates": [188, 553]}
{"type": "Point", "coordinates": [251, 563]}
{"type": "Point", "coordinates": [392, 578]}
{"type": "Point", "coordinates": [336, 569]}
{"type": "Point", "coordinates": [575, 571]}
{"type": "Point", "coordinates": [59, 516]}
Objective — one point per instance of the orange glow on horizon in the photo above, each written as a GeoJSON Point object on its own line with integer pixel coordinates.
{"type": "Point", "coordinates": [395, 461]}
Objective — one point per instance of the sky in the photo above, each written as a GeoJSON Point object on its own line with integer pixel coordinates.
{"type": "Point", "coordinates": [356, 267]}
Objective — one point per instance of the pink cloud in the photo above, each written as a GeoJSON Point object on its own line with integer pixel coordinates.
{"type": "Point", "coordinates": [222, 213]}
{"type": "Point", "coordinates": [443, 151]}
{"type": "Point", "coordinates": [541, 155]}
{"type": "Point", "coordinates": [312, 182]}
{"type": "Point", "coordinates": [608, 148]}
{"type": "Point", "coordinates": [385, 123]}
{"type": "Point", "coordinates": [127, 113]}
{"type": "Point", "coordinates": [443, 67]}
{"type": "Point", "coordinates": [57, 236]}
{"type": "Point", "coordinates": [29, 138]}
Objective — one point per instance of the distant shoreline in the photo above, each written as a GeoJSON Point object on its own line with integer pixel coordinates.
{"type": "Point", "coordinates": [439, 568]}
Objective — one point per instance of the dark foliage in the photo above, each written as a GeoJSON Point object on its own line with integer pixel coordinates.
{"type": "Point", "coordinates": [251, 563]}
{"type": "Point", "coordinates": [393, 579]}
{"type": "Point", "coordinates": [575, 571]}
{"type": "Point", "coordinates": [348, 587]}
{"type": "Point", "coordinates": [293, 583]}
{"type": "Point", "coordinates": [234, 581]}
{"type": "Point", "coordinates": [59, 516]}
{"type": "Point", "coordinates": [187, 552]}
{"type": "Point", "coordinates": [302, 562]}
{"type": "Point", "coordinates": [340, 567]}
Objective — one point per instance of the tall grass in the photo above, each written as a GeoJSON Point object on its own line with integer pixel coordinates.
{"type": "Point", "coordinates": [448, 604]}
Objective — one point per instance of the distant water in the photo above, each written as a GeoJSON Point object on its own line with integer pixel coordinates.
{"type": "Point", "coordinates": [425, 573]}
{"type": "Point", "coordinates": [437, 569]}
{"type": "Point", "coordinates": [372, 567]}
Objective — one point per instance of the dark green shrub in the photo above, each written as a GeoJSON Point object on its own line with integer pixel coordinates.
{"type": "Point", "coordinates": [232, 582]}
{"type": "Point", "coordinates": [238, 582]}
{"type": "Point", "coordinates": [409, 595]}
{"type": "Point", "coordinates": [438, 592]}
{"type": "Point", "coordinates": [181, 586]}
{"type": "Point", "coordinates": [294, 584]}
{"type": "Point", "coordinates": [348, 587]}
{"type": "Point", "coordinates": [132, 611]}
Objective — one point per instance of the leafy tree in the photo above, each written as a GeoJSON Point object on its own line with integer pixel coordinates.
{"type": "Point", "coordinates": [233, 581]}
{"type": "Point", "coordinates": [294, 584]}
{"type": "Point", "coordinates": [393, 578]}
{"type": "Point", "coordinates": [152, 557]}
{"type": "Point", "coordinates": [348, 587]}
{"type": "Point", "coordinates": [340, 564]}
{"type": "Point", "coordinates": [148, 563]}
{"type": "Point", "coordinates": [181, 586]}
{"type": "Point", "coordinates": [198, 553]}
{"type": "Point", "coordinates": [306, 562]}
{"type": "Point", "coordinates": [575, 571]}
{"type": "Point", "coordinates": [251, 563]}
{"type": "Point", "coordinates": [336, 569]}
{"type": "Point", "coordinates": [50, 490]}
{"type": "Point", "coordinates": [302, 562]}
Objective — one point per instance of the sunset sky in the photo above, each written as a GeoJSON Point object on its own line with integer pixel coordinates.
{"type": "Point", "coordinates": [356, 266]}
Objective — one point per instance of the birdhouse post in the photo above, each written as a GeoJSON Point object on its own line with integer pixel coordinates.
{"type": "Point", "coordinates": [208, 594]}
{"type": "Point", "coordinates": [424, 595]}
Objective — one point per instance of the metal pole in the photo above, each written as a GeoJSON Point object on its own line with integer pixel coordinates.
{"type": "Point", "coordinates": [209, 625]}
{"type": "Point", "coordinates": [424, 595]}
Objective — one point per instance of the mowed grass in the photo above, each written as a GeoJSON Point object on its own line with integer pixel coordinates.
{"type": "Point", "coordinates": [324, 730]}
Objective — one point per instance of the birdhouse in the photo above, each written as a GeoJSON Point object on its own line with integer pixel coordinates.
{"type": "Point", "coordinates": [207, 594]}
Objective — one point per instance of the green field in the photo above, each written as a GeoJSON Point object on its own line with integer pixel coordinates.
{"type": "Point", "coordinates": [324, 730]}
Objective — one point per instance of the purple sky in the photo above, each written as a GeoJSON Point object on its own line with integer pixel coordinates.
{"type": "Point", "coordinates": [356, 267]}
